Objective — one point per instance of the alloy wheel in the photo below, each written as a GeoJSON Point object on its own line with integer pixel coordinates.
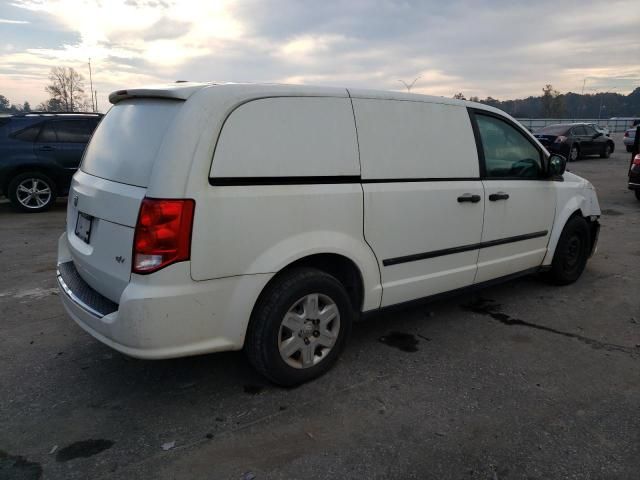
{"type": "Point", "coordinates": [33, 193]}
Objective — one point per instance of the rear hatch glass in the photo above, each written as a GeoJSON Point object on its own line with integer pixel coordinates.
{"type": "Point", "coordinates": [124, 146]}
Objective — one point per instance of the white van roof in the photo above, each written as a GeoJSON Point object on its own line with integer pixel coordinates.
{"type": "Point", "coordinates": [183, 90]}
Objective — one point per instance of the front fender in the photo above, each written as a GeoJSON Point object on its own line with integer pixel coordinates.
{"type": "Point", "coordinates": [570, 200]}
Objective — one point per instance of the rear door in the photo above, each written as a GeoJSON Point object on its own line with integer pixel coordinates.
{"type": "Point", "coordinates": [62, 142]}
{"type": "Point", "coordinates": [519, 201]}
{"type": "Point", "coordinates": [584, 139]}
{"type": "Point", "coordinates": [423, 196]}
{"type": "Point", "coordinates": [105, 194]}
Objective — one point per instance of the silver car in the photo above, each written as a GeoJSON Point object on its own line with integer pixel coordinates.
{"type": "Point", "coordinates": [629, 138]}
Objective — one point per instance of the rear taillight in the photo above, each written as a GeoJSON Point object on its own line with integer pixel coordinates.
{"type": "Point", "coordinates": [636, 160]}
{"type": "Point", "coordinates": [163, 234]}
{"type": "Point", "coordinates": [560, 139]}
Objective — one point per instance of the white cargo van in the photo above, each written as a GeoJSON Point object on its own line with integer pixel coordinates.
{"type": "Point", "coordinates": [268, 217]}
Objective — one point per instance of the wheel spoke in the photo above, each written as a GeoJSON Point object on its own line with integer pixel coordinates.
{"type": "Point", "coordinates": [290, 346]}
{"type": "Point", "coordinates": [44, 191]}
{"type": "Point", "coordinates": [293, 322]}
{"type": "Point", "coordinates": [39, 201]}
{"type": "Point", "coordinates": [326, 339]}
{"type": "Point", "coordinates": [34, 184]}
{"type": "Point", "coordinates": [311, 306]}
{"type": "Point", "coordinates": [22, 188]}
{"type": "Point", "coordinates": [327, 314]}
{"type": "Point", "coordinates": [308, 352]}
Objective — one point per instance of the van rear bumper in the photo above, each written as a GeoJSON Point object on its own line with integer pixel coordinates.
{"type": "Point", "coordinates": [165, 314]}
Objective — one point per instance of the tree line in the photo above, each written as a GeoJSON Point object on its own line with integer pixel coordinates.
{"type": "Point", "coordinates": [66, 92]}
{"type": "Point", "coordinates": [553, 104]}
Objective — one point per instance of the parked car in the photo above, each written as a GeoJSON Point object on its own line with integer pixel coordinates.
{"type": "Point", "coordinates": [634, 176]}
{"type": "Point", "coordinates": [598, 128]}
{"type": "Point", "coordinates": [39, 153]}
{"type": "Point", "coordinates": [628, 138]}
{"type": "Point", "coordinates": [267, 218]}
{"type": "Point", "coordinates": [575, 140]}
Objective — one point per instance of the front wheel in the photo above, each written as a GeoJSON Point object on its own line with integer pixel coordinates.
{"type": "Point", "coordinates": [299, 326]}
{"type": "Point", "coordinates": [606, 151]}
{"type": "Point", "coordinates": [572, 252]}
{"type": "Point", "coordinates": [32, 192]}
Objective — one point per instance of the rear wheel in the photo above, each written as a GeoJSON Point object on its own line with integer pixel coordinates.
{"type": "Point", "coordinates": [606, 151]}
{"type": "Point", "coordinates": [637, 192]}
{"type": "Point", "coordinates": [574, 153]}
{"type": "Point", "coordinates": [299, 326]}
{"type": "Point", "coordinates": [629, 148]}
{"type": "Point", "coordinates": [571, 253]}
{"type": "Point", "coordinates": [32, 192]}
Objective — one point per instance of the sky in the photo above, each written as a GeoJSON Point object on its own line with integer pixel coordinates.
{"type": "Point", "coordinates": [499, 48]}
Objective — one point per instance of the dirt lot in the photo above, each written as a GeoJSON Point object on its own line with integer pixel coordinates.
{"type": "Point", "coordinates": [518, 381]}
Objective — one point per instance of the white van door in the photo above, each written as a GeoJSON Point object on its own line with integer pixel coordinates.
{"type": "Point", "coordinates": [423, 198]}
{"type": "Point", "coordinates": [519, 201]}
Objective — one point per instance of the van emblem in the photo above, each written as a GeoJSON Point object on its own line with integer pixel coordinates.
{"type": "Point", "coordinates": [119, 259]}
{"type": "Point", "coordinates": [75, 200]}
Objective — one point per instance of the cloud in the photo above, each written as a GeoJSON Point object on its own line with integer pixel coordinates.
{"type": "Point", "coordinates": [480, 47]}
{"type": "Point", "coordinates": [13, 22]}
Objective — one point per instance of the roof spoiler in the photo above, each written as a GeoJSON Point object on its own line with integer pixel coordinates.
{"type": "Point", "coordinates": [174, 91]}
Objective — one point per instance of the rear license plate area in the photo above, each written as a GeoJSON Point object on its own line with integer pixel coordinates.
{"type": "Point", "coordinates": [83, 227]}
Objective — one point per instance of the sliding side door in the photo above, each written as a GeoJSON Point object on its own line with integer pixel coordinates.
{"type": "Point", "coordinates": [423, 198]}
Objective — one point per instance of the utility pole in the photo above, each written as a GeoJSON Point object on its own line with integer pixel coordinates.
{"type": "Point", "coordinates": [93, 104]}
{"type": "Point", "coordinates": [96, 93]}
{"type": "Point", "coordinates": [409, 86]}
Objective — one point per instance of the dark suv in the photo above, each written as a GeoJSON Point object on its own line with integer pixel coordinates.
{"type": "Point", "coordinates": [39, 153]}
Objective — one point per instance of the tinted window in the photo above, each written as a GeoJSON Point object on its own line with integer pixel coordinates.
{"type": "Point", "coordinates": [579, 130]}
{"type": "Point", "coordinates": [507, 152]}
{"type": "Point", "coordinates": [28, 134]}
{"type": "Point", "coordinates": [73, 131]}
{"type": "Point", "coordinates": [554, 130]}
{"type": "Point", "coordinates": [589, 130]}
{"type": "Point", "coordinates": [124, 146]}
{"type": "Point", "coordinates": [48, 133]}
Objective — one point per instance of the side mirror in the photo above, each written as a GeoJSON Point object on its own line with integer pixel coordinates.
{"type": "Point", "coordinates": [597, 134]}
{"type": "Point", "coordinates": [557, 165]}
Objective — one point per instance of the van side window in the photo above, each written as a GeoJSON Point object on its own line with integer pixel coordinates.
{"type": "Point", "coordinates": [288, 137]}
{"type": "Point", "coordinates": [507, 152]}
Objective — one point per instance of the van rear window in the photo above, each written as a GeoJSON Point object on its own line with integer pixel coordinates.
{"type": "Point", "coordinates": [125, 144]}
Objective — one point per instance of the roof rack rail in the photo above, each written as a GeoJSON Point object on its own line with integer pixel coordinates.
{"type": "Point", "coordinates": [43, 112]}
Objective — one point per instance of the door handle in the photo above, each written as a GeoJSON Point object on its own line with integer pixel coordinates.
{"type": "Point", "coordinates": [468, 197]}
{"type": "Point", "coordinates": [46, 148]}
{"type": "Point", "coordinates": [494, 197]}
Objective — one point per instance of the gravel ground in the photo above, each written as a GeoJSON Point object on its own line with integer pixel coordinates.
{"type": "Point", "coordinates": [518, 381]}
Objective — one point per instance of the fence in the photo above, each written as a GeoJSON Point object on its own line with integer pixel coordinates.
{"type": "Point", "coordinates": [615, 125]}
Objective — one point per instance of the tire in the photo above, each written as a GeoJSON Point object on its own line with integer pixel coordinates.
{"type": "Point", "coordinates": [629, 148]}
{"type": "Point", "coordinates": [25, 201]}
{"type": "Point", "coordinates": [289, 302]}
{"type": "Point", "coordinates": [574, 153]}
{"type": "Point", "coordinates": [572, 252]}
{"type": "Point", "coordinates": [637, 192]}
{"type": "Point", "coordinates": [606, 150]}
